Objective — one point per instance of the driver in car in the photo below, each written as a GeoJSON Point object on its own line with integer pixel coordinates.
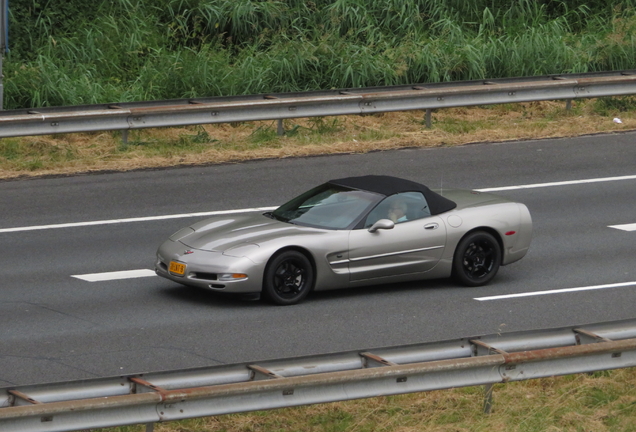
{"type": "Point", "coordinates": [397, 211]}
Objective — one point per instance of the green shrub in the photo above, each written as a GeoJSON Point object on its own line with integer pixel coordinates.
{"type": "Point", "coordinates": [77, 52]}
{"type": "Point", "coordinates": [608, 106]}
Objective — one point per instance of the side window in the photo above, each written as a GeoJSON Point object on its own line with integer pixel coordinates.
{"type": "Point", "coordinates": [402, 207]}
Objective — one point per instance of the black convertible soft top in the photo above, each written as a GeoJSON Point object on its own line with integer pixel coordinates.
{"type": "Point", "coordinates": [387, 185]}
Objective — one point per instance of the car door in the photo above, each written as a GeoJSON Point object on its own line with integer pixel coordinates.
{"type": "Point", "coordinates": [414, 244]}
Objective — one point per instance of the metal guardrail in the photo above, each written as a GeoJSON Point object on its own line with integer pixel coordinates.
{"type": "Point", "coordinates": [279, 106]}
{"type": "Point", "coordinates": [166, 396]}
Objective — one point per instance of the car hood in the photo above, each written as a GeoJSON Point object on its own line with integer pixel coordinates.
{"type": "Point", "coordinates": [223, 233]}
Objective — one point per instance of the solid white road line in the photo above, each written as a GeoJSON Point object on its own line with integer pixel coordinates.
{"type": "Point", "coordinates": [139, 219]}
{"type": "Point", "coordinates": [127, 274]}
{"type": "Point", "coordinates": [214, 213]}
{"type": "Point", "coordinates": [557, 291]}
{"type": "Point", "coordinates": [626, 227]}
{"type": "Point", "coordinates": [562, 183]}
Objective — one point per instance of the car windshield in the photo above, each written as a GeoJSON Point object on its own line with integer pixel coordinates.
{"type": "Point", "coordinates": [327, 206]}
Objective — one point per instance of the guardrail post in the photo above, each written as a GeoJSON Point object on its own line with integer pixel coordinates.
{"type": "Point", "coordinates": [124, 136]}
{"type": "Point", "coordinates": [568, 104]}
{"type": "Point", "coordinates": [150, 427]}
{"type": "Point", "coordinates": [1, 83]}
{"type": "Point", "coordinates": [488, 398]}
{"type": "Point", "coordinates": [428, 117]}
{"type": "Point", "coordinates": [280, 130]}
{"type": "Point", "coordinates": [4, 43]}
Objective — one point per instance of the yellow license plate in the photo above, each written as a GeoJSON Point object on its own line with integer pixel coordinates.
{"type": "Point", "coordinates": [177, 268]}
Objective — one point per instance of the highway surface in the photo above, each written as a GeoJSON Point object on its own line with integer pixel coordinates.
{"type": "Point", "coordinates": [56, 324]}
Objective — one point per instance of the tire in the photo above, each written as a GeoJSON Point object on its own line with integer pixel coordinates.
{"type": "Point", "coordinates": [477, 259]}
{"type": "Point", "coordinates": [289, 277]}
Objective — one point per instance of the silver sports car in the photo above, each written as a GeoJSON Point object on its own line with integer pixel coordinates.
{"type": "Point", "coordinates": [350, 232]}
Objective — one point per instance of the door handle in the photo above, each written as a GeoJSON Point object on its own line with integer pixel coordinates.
{"type": "Point", "coordinates": [431, 226]}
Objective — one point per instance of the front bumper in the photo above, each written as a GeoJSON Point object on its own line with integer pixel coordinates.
{"type": "Point", "coordinates": [204, 269]}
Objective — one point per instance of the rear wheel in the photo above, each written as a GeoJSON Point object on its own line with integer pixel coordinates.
{"type": "Point", "coordinates": [289, 277]}
{"type": "Point", "coordinates": [477, 259]}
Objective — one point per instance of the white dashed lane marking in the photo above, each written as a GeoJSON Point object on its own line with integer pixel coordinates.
{"type": "Point", "coordinates": [626, 227]}
{"type": "Point", "coordinates": [116, 275]}
{"type": "Point", "coordinates": [556, 291]}
{"type": "Point", "coordinates": [138, 219]}
{"type": "Point", "coordinates": [561, 183]}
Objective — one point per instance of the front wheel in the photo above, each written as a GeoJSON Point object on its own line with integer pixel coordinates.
{"type": "Point", "coordinates": [477, 259]}
{"type": "Point", "coordinates": [289, 277]}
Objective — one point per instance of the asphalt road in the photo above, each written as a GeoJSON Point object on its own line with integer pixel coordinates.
{"type": "Point", "coordinates": [57, 327]}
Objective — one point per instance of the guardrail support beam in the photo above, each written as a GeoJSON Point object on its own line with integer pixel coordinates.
{"type": "Point", "coordinates": [488, 398]}
{"type": "Point", "coordinates": [237, 109]}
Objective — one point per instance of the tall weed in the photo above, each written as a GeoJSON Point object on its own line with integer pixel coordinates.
{"type": "Point", "coordinates": [125, 50]}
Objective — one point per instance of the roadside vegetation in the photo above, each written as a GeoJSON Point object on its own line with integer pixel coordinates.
{"type": "Point", "coordinates": [78, 52]}
{"type": "Point", "coordinates": [597, 402]}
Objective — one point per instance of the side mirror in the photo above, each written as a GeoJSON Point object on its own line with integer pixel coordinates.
{"type": "Point", "coordinates": [382, 224]}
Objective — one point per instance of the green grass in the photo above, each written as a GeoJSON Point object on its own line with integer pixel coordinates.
{"type": "Point", "coordinates": [32, 151]}
{"type": "Point", "coordinates": [375, 135]}
{"type": "Point", "coordinates": [264, 135]}
{"type": "Point", "coordinates": [459, 126]}
{"type": "Point", "coordinates": [325, 125]}
{"type": "Point", "coordinates": [126, 50]}
{"type": "Point", "coordinates": [607, 106]}
{"type": "Point", "coordinates": [190, 143]}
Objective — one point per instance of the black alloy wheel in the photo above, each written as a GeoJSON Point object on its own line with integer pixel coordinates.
{"type": "Point", "coordinates": [477, 259]}
{"type": "Point", "coordinates": [289, 277]}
